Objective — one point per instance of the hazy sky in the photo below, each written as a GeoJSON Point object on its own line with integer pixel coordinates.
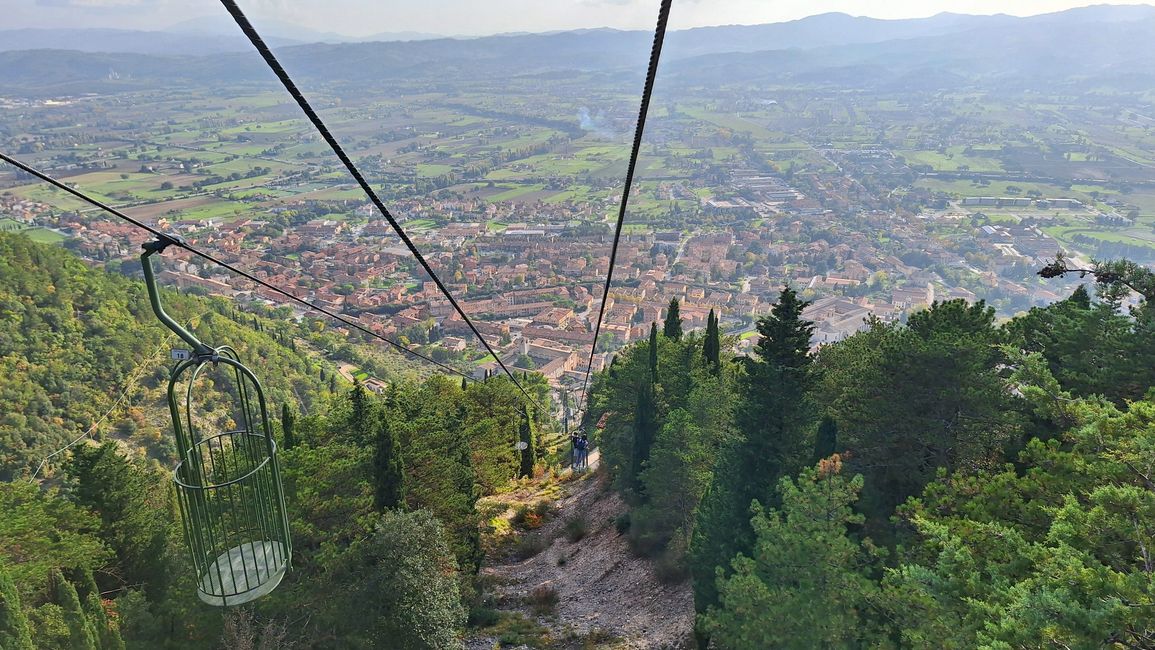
{"type": "Point", "coordinates": [460, 17]}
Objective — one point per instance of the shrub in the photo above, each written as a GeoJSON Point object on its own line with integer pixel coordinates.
{"type": "Point", "coordinates": [483, 617]}
{"type": "Point", "coordinates": [543, 599]}
{"type": "Point", "coordinates": [622, 523]}
{"type": "Point", "coordinates": [530, 545]}
{"type": "Point", "coordinates": [673, 566]}
{"type": "Point", "coordinates": [576, 528]}
{"type": "Point", "coordinates": [597, 638]}
{"type": "Point", "coordinates": [530, 518]}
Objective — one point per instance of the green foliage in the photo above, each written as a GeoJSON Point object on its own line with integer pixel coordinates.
{"type": "Point", "coordinates": [73, 338]}
{"type": "Point", "coordinates": [773, 415]}
{"type": "Point", "coordinates": [1115, 278]}
{"type": "Point", "coordinates": [682, 463]}
{"type": "Point", "coordinates": [1092, 349]}
{"type": "Point", "coordinates": [431, 448]}
{"type": "Point", "coordinates": [14, 627]}
{"type": "Point", "coordinates": [525, 435]}
{"type": "Point", "coordinates": [1055, 554]}
{"type": "Point", "coordinates": [81, 633]}
{"type": "Point", "coordinates": [712, 346]}
{"type": "Point", "coordinates": [493, 418]}
{"type": "Point", "coordinates": [806, 583]}
{"type": "Point", "coordinates": [107, 636]}
{"type": "Point", "coordinates": [672, 327]}
{"type": "Point", "coordinates": [398, 587]}
{"type": "Point", "coordinates": [132, 503]}
{"type": "Point", "coordinates": [430, 421]}
{"type": "Point", "coordinates": [288, 426]}
{"type": "Point", "coordinates": [388, 467]}
{"type": "Point", "coordinates": [910, 400]}
{"type": "Point", "coordinates": [42, 533]}
{"type": "Point", "coordinates": [826, 442]}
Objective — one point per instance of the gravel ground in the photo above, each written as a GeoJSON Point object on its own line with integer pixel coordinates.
{"type": "Point", "coordinates": [601, 586]}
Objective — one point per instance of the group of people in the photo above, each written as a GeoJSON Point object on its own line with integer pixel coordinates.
{"type": "Point", "coordinates": [580, 445]}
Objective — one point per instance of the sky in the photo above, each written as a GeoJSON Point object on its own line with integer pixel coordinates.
{"type": "Point", "coordinates": [478, 17]}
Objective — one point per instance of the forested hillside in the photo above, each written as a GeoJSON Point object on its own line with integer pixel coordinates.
{"type": "Point", "coordinates": [73, 339]}
{"type": "Point", "coordinates": [381, 489]}
{"type": "Point", "coordinates": [946, 482]}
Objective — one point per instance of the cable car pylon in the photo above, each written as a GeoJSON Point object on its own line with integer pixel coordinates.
{"type": "Point", "coordinates": [228, 483]}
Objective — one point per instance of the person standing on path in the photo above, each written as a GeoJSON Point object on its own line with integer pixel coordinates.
{"type": "Point", "coordinates": [575, 454]}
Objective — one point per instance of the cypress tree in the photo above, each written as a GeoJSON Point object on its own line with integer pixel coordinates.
{"type": "Point", "coordinates": [81, 634]}
{"type": "Point", "coordinates": [388, 467]}
{"type": "Point", "coordinates": [464, 384]}
{"type": "Point", "coordinates": [107, 636]}
{"type": "Point", "coordinates": [289, 426]}
{"type": "Point", "coordinates": [14, 630]}
{"type": "Point", "coordinates": [712, 346]}
{"type": "Point", "coordinates": [133, 513]}
{"type": "Point", "coordinates": [826, 442]}
{"type": "Point", "coordinates": [525, 434]}
{"type": "Point", "coordinates": [644, 425]}
{"type": "Point", "coordinates": [645, 416]}
{"type": "Point", "coordinates": [672, 328]}
{"type": "Point", "coordinates": [359, 419]}
{"type": "Point", "coordinates": [653, 351]}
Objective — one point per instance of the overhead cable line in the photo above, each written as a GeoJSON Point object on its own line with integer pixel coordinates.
{"type": "Point", "coordinates": [244, 274]}
{"type": "Point", "coordinates": [647, 91]}
{"type": "Point", "coordinates": [275, 65]}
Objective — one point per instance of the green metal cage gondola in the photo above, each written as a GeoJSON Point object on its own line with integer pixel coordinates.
{"type": "Point", "coordinates": [228, 483]}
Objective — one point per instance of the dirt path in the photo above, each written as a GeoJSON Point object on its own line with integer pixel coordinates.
{"type": "Point", "coordinates": [606, 596]}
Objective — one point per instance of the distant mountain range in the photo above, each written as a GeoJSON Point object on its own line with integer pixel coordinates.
{"type": "Point", "coordinates": [1103, 42]}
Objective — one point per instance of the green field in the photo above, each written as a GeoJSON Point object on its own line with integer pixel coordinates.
{"type": "Point", "coordinates": [44, 235]}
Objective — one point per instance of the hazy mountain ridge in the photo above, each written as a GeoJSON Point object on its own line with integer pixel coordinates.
{"type": "Point", "coordinates": [830, 48]}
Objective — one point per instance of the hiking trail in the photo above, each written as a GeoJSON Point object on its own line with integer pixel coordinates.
{"type": "Point", "coordinates": [606, 597]}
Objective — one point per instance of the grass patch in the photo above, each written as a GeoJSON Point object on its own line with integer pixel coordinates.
{"type": "Point", "coordinates": [513, 629]}
{"type": "Point", "coordinates": [597, 638]}
{"type": "Point", "coordinates": [44, 236]}
{"type": "Point", "coordinates": [515, 192]}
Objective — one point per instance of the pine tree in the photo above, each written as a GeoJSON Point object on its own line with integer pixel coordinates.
{"type": "Point", "coordinates": [81, 634]}
{"type": "Point", "coordinates": [712, 346]}
{"type": "Point", "coordinates": [288, 426]}
{"type": "Point", "coordinates": [773, 415]}
{"type": "Point", "coordinates": [14, 629]}
{"type": "Point", "coordinates": [672, 328]}
{"type": "Point", "coordinates": [826, 443]}
{"type": "Point", "coordinates": [525, 435]}
{"type": "Point", "coordinates": [805, 583]}
{"type": "Point", "coordinates": [388, 468]}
